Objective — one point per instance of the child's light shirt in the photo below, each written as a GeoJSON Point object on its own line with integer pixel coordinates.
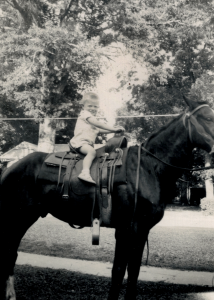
{"type": "Point", "coordinates": [84, 132]}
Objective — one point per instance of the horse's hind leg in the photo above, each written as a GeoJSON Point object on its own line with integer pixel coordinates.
{"type": "Point", "coordinates": [129, 250]}
{"type": "Point", "coordinates": [13, 226]}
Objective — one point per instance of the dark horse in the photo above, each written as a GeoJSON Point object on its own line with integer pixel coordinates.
{"type": "Point", "coordinates": [22, 202]}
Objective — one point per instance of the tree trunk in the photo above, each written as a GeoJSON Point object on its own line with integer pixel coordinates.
{"type": "Point", "coordinates": [208, 181]}
{"type": "Point", "coordinates": [184, 190]}
{"type": "Point", "coordinates": [25, 13]}
{"type": "Point", "coordinates": [207, 203]}
{"type": "Point", "coordinates": [47, 132]}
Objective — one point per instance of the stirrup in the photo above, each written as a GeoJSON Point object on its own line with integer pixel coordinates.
{"type": "Point", "coordinates": [95, 232]}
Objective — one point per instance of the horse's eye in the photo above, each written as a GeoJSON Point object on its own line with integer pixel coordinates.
{"type": "Point", "coordinates": [208, 119]}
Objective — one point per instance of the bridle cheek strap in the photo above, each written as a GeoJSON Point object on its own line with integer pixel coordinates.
{"type": "Point", "coordinates": [200, 130]}
{"type": "Point", "coordinates": [193, 121]}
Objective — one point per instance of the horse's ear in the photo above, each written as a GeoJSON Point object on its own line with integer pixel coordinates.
{"type": "Point", "coordinates": [192, 104]}
{"type": "Point", "coordinates": [188, 102]}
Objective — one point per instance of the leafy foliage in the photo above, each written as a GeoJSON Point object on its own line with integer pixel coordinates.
{"type": "Point", "coordinates": [53, 50]}
{"type": "Point", "coordinates": [176, 52]}
{"type": "Point", "coordinates": [49, 56]}
{"type": "Point", "coordinates": [44, 68]}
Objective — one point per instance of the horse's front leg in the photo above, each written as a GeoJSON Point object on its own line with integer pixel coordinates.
{"type": "Point", "coordinates": [139, 237]}
{"type": "Point", "coordinates": [137, 242]}
{"type": "Point", "coordinates": [120, 263]}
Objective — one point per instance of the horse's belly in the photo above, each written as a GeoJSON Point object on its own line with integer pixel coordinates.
{"type": "Point", "coordinates": [81, 210]}
{"type": "Point", "coordinates": [75, 210]}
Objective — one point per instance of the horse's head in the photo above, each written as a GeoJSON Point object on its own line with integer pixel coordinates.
{"type": "Point", "coordinates": [200, 123]}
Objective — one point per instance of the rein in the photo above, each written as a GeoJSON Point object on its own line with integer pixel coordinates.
{"type": "Point", "coordinates": [185, 169]}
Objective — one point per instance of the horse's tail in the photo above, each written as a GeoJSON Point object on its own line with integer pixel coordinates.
{"type": "Point", "coordinates": [2, 194]}
{"type": "Point", "coordinates": [1, 188]}
{"type": "Point", "coordinates": [0, 191]}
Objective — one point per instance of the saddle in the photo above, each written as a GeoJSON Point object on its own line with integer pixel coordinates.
{"type": "Point", "coordinates": [103, 171]}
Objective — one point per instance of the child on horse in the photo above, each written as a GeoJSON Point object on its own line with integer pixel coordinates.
{"type": "Point", "coordinates": [86, 131]}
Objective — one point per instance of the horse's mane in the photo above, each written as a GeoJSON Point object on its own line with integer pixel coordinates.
{"type": "Point", "coordinates": [163, 128]}
{"type": "Point", "coordinates": [168, 186]}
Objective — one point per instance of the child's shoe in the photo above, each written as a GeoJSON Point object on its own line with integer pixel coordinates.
{"type": "Point", "coordinates": [86, 177]}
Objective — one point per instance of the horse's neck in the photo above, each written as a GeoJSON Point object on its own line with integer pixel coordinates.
{"type": "Point", "coordinates": [171, 144]}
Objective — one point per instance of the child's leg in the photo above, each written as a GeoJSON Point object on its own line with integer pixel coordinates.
{"type": "Point", "coordinates": [87, 162]}
{"type": "Point", "coordinates": [90, 155]}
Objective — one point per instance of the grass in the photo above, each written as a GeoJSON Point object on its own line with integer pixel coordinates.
{"type": "Point", "coordinates": [185, 248]}
{"type": "Point", "coordinates": [182, 248]}
{"type": "Point", "coordinates": [41, 284]}
{"type": "Point", "coordinates": [188, 248]}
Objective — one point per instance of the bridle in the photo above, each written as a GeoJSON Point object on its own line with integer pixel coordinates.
{"type": "Point", "coordinates": [187, 116]}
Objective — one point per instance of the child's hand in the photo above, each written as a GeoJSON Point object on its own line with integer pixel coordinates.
{"type": "Point", "coordinates": [119, 129]}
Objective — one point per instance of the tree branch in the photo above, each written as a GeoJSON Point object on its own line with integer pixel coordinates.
{"type": "Point", "coordinates": [169, 22]}
{"type": "Point", "coordinates": [162, 14]}
{"type": "Point", "coordinates": [107, 27]}
{"type": "Point", "coordinates": [18, 7]}
{"type": "Point", "coordinates": [62, 17]}
{"type": "Point", "coordinates": [63, 84]}
{"type": "Point", "coordinates": [70, 44]}
{"type": "Point", "coordinates": [97, 29]}
{"type": "Point", "coordinates": [9, 3]}
{"type": "Point", "coordinates": [109, 57]}
{"type": "Point", "coordinates": [202, 50]}
{"type": "Point", "coordinates": [27, 19]}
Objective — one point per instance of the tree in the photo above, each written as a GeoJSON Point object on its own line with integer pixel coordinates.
{"type": "Point", "coordinates": [13, 132]}
{"type": "Point", "coordinates": [48, 61]}
{"type": "Point", "coordinates": [177, 54]}
{"type": "Point", "coordinates": [176, 51]}
{"type": "Point", "coordinates": [62, 52]}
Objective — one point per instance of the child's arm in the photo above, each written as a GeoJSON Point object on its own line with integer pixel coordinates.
{"type": "Point", "coordinates": [104, 131]}
{"type": "Point", "coordinates": [106, 127]}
